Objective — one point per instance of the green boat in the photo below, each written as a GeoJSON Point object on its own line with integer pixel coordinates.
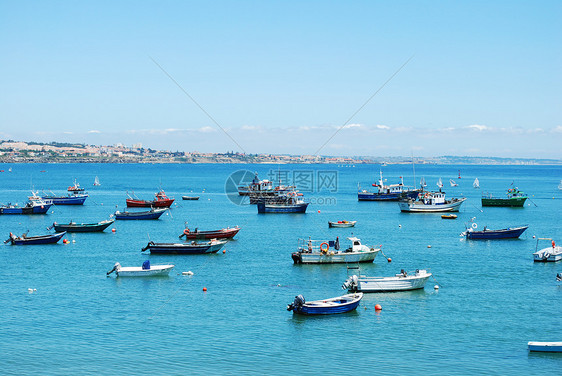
{"type": "Point", "coordinates": [514, 198]}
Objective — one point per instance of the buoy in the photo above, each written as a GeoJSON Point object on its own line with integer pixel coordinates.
{"type": "Point", "coordinates": [429, 246]}
{"type": "Point", "coordinates": [224, 251]}
{"type": "Point", "coordinates": [436, 287]}
{"type": "Point", "coordinates": [533, 236]}
{"type": "Point", "coordinates": [389, 259]}
{"type": "Point", "coordinates": [318, 211]}
{"type": "Point", "coordinates": [278, 285]}
{"type": "Point", "coordinates": [204, 289]}
{"type": "Point", "coordinates": [113, 230]}
{"type": "Point", "coordinates": [400, 226]}
{"type": "Point", "coordinates": [30, 290]}
{"type": "Point", "coordinates": [73, 241]}
{"type": "Point", "coordinates": [378, 307]}
{"type": "Point", "coordinates": [187, 273]}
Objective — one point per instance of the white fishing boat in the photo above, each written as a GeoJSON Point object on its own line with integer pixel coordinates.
{"type": "Point", "coordinates": [549, 254]}
{"type": "Point", "coordinates": [319, 252]}
{"type": "Point", "coordinates": [400, 282]}
{"type": "Point", "coordinates": [341, 224]}
{"type": "Point", "coordinates": [431, 202]}
{"type": "Point", "coordinates": [476, 183]}
{"type": "Point", "coordinates": [545, 346]}
{"type": "Point", "coordinates": [453, 183]}
{"type": "Point", "coordinates": [146, 270]}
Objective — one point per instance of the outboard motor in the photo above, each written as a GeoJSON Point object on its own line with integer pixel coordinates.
{"type": "Point", "coordinates": [116, 268]}
{"type": "Point", "coordinates": [146, 265]}
{"type": "Point", "coordinates": [297, 303]}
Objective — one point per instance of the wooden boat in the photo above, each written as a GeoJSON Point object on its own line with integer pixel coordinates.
{"type": "Point", "coordinates": [318, 252]}
{"type": "Point", "coordinates": [225, 233]}
{"type": "Point", "coordinates": [76, 188]}
{"type": "Point", "coordinates": [146, 270]}
{"type": "Point", "coordinates": [339, 304]}
{"type": "Point", "coordinates": [342, 224]}
{"type": "Point", "coordinates": [35, 205]}
{"type": "Point", "coordinates": [160, 201]}
{"type": "Point", "coordinates": [30, 240]}
{"type": "Point", "coordinates": [449, 216]}
{"type": "Point", "coordinates": [545, 346]}
{"type": "Point", "coordinates": [400, 282]}
{"type": "Point", "coordinates": [505, 233]}
{"type": "Point", "coordinates": [514, 198]}
{"type": "Point", "coordinates": [153, 213]}
{"type": "Point", "coordinates": [192, 248]}
{"type": "Point", "coordinates": [190, 198]}
{"type": "Point", "coordinates": [549, 254]}
{"type": "Point", "coordinates": [384, 192]}
{"type": "Point", "coordinates": [70, 199]}
{"type": "Point", "coordinates": [83, 227]}
{"type": "Point", "coordinates": [431, 202]}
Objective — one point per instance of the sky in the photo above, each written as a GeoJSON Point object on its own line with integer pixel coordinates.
{"type": "Point", "coordinates": [357, 78]}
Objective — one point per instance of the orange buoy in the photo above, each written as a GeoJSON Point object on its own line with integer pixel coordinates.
{"type": "Point", "coordinates": [113, 230]}
{"type": "Point", "coordinates": [318, 211]}
{"type": "Point", "coordinates": [553, 244]}
{"type": "Point", "coordinates": [389, 259]}
{"type": "Point", "coordinates": [378, 307]}
{"type": "Point", "coordinates": [204, 289]}
{"type": "Point", "coordinates": [224, 251]}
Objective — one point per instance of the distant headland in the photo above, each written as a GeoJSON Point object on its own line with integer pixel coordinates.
{"type": "Point", "coordinates": [57, 152]}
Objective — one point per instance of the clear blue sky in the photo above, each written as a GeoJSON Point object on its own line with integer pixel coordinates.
{"type": "Point", "coordinates": [282, 76]}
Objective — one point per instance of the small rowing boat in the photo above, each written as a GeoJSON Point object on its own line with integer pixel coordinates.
{"type": "Point", "coordinates": [146, 270]}
{"type": "Point", "coordinates": [449, 216]}
{"type": "Point", "coordinates": [83, 227]}
{"type": "Point", "coordinates": [30, 240]}
{"type": "Point", "coordinates": [154, 213]}
{"type": "Point", "coordinates": [192, 248]}
{"type": "Point", "coordinates": [545, 346]}
{"type": "Point", "coordinates": [341, 224]}
{"type": "Point", "coordinates": [225, 233]}
{"type": "Point", "coordinates": [339, 304]}
{"type": "Point", "coordinates": [192, 198]}
{"type": "Point", "coordinates": [400, 282]}
{"type": "Point", "coordinates": [486, 233]}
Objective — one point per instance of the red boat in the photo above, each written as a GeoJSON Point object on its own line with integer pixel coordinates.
{"type": "Point", "coordinates": [160, 201]}
{"type": "Point", "coordinates": [225, 233]}
{"type": "Point", "coordinates": [76, 188]}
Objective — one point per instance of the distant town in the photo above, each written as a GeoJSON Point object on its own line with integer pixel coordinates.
{"type": "Point", "coordinates": [56, 152]}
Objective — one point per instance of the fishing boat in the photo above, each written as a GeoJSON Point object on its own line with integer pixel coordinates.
{"type": "Point", "coordinates": [545, 346]}
{"type": "Point", "coordinates": [400, 282]}
{"type": "Point", "coordinates": [153, 213]}
{"type": "Point", "coordinates": [83, 227]}
{"type": "Point", "coordinates": [449, 216]}
{"type": "Point", "coordinates": [35, 205]}
{"type": "Point", "coordinates": [384, 192]}
{"type": "Point", "coordinates": [476, 183]}
{"type": "Point", "coordinates": [192, 248]}
{"type": "Point", "coordinates": [340, 224]}
{"type": "Point", "coordinates": [328, 252]}
{"type": "Point", "coordinates": [146, 270]}
{"type": "Point", "coordinates": [339, 304]}
{"type": "Point", "coordinates": [514, 198]}
{"type": "Point", "coordinates": [160, 201]}
{"type": "Point", "coordinates": [453, 183]}
{"type": "Point", "coordinates": [549, 254]}
{"type": "Point", "coordinates": [431, 202]}
{"type": "Point", "coordinates": [505, 233]}
{"type": "Point", "coordinates": [76, 188]}
{"type": "Point", "coordinates": [29, 240]}
{"type": "Point", "coordinates": [69, 199]}
{"type": "Point", "coordinates": [256, 185]}
{"type": "Point", "coordinates": [192, 198]}
{"type": "Point", "coordinates": [96, 182]}
{"type": "Point", "coordinates": [290, 202]}
{"type": "Point", "coordinates": [224, 233]}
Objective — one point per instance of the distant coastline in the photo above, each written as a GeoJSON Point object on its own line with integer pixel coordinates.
{"type": "Point", "coordinates": [54, 152]}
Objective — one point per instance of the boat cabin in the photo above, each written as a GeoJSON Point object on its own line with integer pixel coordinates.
{"type": "Point", "coordinates": [435, 198]}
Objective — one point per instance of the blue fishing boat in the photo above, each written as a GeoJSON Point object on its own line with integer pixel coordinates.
{"type": "Point", "coordinates": [487, 234]}
{"type": "Point", "coordinates": [29, 240]}
{"type": "Point", "coordinates": [291, 203]}
{"type": "Point", "coordinates": [35, 205]}
{"type": "Point", "coordinates": [339, 304]}
{"type": "Point", "coordinates": [150, 214]}
{"type": "Point", "coordinates": [70, 199]}
{"type": "Point", "coordinates": [384, 192]}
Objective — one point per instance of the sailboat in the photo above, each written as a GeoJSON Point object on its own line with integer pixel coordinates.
{"type": "Point", "coordinates": [453, 183]}
{"type": "Point", "coordinates": [476, 183]}
{"type": "Point", "coordinates": [560, 185]}
{"type": "Point", "coordinates": [423, 184]}
{"type": "Point", "coordinates": [440, 184]}
{"type": "Point", "coordinates": [97, 181]}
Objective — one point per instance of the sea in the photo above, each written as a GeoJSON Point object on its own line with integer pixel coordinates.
{"type": "Point", "coordinates": [61, 315]}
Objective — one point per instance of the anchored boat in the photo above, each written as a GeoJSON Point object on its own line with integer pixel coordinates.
{"type": "Point", "coordinates": [340, 224]}
{"type": "Point", "coordinates": [431, 202]}
{"type": "Point", "coordinates": [30, 240]}
{"type": "Point", "coordinates": [318, 252]}
{"type": "Point", "coordinates": [153, 213]}
{"type": "Point", "coordinates": [160, 201]}
{"type": "Point", "coordinates": [514, 198]}
{"type": "Point", "coordinates": [505, 233]}
{"type": "Point", "coordinates": [545, 346]}
{"type": "Point", "coordinates": [225, 233]}
{"type": "Point", "coordinates": [35, 205]}
{"type": "Point", "coordinates": [400, 282]}
{"type": "Point", "coordinates": [339, 304]}
{"type": "Point", "coordinates": [146, 270]}
{"type": "Point", "coordinates": [549, 254]}
{"type": "Point", "coordinates": [83, 227]}
{"type": "Point", "coordinates": [384, 192]}
{"type": "Point", "coordinates": [192, 248]}
{"type": "Point", "coordinates": [69, 199]}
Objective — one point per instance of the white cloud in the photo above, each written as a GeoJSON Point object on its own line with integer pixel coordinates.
{"type": "Point", "coordinates": [478, 127]}
{"type": "Point", "coordinates": [380, 126]}
{"type": "Point", "coordinates": [94, 131]}
{"type": "Point", "coordinates": [558, 129]}
{"type": "Point", "coordinates": [351, 126]}
{"type": "Point", "coordinates": [207, 129]}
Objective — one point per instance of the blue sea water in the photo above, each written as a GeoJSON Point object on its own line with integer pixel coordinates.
{"type": "Point", "coordinates": [493, 299]}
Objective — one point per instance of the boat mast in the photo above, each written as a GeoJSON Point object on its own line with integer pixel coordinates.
{"type": "Point", "coordinates": [414, 169]}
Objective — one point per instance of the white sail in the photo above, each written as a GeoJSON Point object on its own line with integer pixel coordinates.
{"type": "Point", "coordinates": [453, 183]}
{"type": "Point", "coordinates": [96, 181]}
{"type": "Point", "coordinates": [560, 185]}
{"type": "Point", "coordinates": [440, 183]}
{"type": "Point", "coordinates": [476, 183]}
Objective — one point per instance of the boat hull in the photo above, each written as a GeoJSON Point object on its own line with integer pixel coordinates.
{"type": "Point", "coordinates": [147, 204]}
{"type": "Point", "coordinates": [138, 271]}
{"type": "Point", "coordinates": [374, 196]}
{"type": "Point", "coordinates": [39, 209]}
{"type": "Point", "coordinates": [342, 225]}
{"type": "Point", "coordinates": [77, 199]}
{"type": "Point", "coordinates": [152, 214]}
{"type": "Point", "coordinates": [183, 248]}
{"type": "Point", "coordinates": [516, 202]}
{"type": "Point", "coordinates": [509, 233]}
{"type": "Point", "coordinates": [45, 239]}
{"type": "Point", "coordinates": [274, 208]}
{"type": "Point", "coordinates": [545, 346]}
{"type": "Point", "coordinates": [83, 227]}
{"type": "Point", "coordinates": [418, 207]}
{"type": "Point", "coordinates": [192, 198]}
{"type": "Point", "coordinates": [218, 234]}
{"type": "Point", "coordinates": [336, 258]}
{"type": "Point", "coordinates": [390, 284]}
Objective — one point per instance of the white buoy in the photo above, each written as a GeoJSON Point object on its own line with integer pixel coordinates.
{"type": "Point", "coordinates": [429, 246]}
{"type": "Point", "coordinates": [436, 287]}
{"type": "Point", "coordinates": [73, 241]}
{"type": "Point", "coordinates": [187, 273]}
{"type": "Point", "coordinates": [30, 290]}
